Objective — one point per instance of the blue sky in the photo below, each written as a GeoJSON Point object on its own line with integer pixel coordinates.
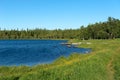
{"type": "Point", "coordinates": [54, 14]}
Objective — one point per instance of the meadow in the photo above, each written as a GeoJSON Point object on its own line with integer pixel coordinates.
{"type": "Point", "coordinates": [103, 63]}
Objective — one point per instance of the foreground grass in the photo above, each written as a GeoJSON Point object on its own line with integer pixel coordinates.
{"type": "Point", "coordinates": [103, 63]}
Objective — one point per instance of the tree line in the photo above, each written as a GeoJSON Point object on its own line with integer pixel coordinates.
{"type": "Point", "coordinates": [109, 29]}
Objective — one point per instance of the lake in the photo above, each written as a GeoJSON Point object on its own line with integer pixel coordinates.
{"type": "Point", "coordinates": [32, 52]}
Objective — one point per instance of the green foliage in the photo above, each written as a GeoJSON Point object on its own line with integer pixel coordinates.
{"type": "Point", "coordinates": [103, 63]}
{"type": "Point", "coordinates": [102, 30]}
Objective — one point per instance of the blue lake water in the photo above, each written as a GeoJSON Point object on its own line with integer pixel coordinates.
{"type": "Point", "coordinates": [32, 52]}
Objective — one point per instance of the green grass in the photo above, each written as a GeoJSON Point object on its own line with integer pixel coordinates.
{"type": "Point", "coordinates": [103, 63]}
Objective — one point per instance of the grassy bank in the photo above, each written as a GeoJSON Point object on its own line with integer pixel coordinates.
{"type": "Point", "coordinates": [103, 63]}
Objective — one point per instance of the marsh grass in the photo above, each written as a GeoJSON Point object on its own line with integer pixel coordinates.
{"type": "Point", "coordinates": [103, 63]}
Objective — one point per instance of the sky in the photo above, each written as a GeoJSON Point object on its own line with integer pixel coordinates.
{"type": "Point", "coordinates": [55, 14]}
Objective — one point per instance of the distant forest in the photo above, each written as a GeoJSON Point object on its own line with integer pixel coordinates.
{"type": "Point", "coordinates": [109, 29]}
